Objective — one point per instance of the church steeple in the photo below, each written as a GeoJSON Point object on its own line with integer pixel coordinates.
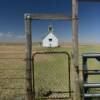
{"type": "Point", "coordinates": [50, 28]}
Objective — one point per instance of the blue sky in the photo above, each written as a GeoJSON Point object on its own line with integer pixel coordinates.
{"type": "Point", "coordinates": [12, 20]}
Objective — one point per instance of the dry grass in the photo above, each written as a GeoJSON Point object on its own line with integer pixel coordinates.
{"type": "Point", "coordinates": [15, 68]}
{"type": "Point", "coordinates": [10, 70]}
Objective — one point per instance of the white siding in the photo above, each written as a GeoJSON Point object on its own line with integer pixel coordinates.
{"type": "Point", "coordinates": [50, 41]}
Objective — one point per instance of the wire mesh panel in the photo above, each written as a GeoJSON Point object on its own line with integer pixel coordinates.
{"type": "Point", "coordinates": [12, 73]}
{"type": "Point", "coordinates": [51, 75]}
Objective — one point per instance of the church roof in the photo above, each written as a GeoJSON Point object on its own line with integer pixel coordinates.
{"type": "Point", "coordinates": [50, 30]}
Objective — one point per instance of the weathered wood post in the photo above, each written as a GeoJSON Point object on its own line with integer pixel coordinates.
{"type": "Point", "coordinates": [75, 49]}
{"type": "Point", "coordinates": [30, 94]}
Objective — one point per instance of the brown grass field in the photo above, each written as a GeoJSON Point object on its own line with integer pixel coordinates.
{"type": "Point", "coordinates": [12, 69]}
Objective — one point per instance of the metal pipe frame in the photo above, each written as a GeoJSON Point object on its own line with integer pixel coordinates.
{"type": "Point", "coordinates": [86, 73]}
{"type": "Point", "coordinates": [89, 0]}
{"type": "Point", "coordinates": [69, 64]}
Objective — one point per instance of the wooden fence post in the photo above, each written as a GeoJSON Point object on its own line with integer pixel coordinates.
{"type": "Point", "coordinates": [30, 94]}
{"type": "Point", "coordinates": [75, 54]}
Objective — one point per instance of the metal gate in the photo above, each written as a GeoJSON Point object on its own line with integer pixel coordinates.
{"type": "Point", "coordinates": [51, 75]}
{"type": "Point", "coordinates": [91, 76]}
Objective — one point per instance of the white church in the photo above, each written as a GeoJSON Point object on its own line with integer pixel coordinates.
{"type": "Point", "coordinates": [50, 40]}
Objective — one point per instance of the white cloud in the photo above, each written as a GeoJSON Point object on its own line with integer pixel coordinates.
{"type": "Point", "coordinates": [10, 34]}
{"type": "Point", "coordinates": [21, 36]}
{"type": "Point", "coordinates": [7, 35]}
{"type": "Point", "coordinates": [1, 34]}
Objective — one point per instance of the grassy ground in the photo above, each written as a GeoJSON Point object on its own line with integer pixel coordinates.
{"type": "Point", "coordinates": [49, 71]}
{"type": "Point", "coordinates": [54, 66]}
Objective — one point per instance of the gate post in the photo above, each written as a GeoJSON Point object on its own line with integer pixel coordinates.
{"type": "Point", "coordinates": [30, 94]}
{"type": "Point", "coordinates": [75, 50]}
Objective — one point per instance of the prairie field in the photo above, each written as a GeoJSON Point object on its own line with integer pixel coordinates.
{"type": "Point", "coordinates": [51, 70]}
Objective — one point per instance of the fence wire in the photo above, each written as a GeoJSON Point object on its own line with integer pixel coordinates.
{"type": "Point", "coordinates": [12, 73]}
{"type": "Point", "coordinates": [51, 75]}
